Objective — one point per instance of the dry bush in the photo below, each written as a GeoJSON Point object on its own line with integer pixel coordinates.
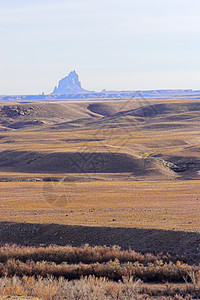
{"type": "Point", "coordinates": [95, 273]}
{"type": "Point", "coordinates": [85, 254]}
{"type": "Point", "coordinates": [56, 289]}
{"type": "Point", "coordinates": [113, 270]}
{"type": "Point", "coordinates": [88, 288]}
{"type": "Point", "coordinates": [12, 287]}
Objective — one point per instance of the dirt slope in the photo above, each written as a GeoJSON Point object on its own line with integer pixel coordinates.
{"type": "Point", "coordinates": [72, 162]}
{"type": "Point", "coordinates": [33, 115]}
{"type": "Point", "coordinates": [175, 242]}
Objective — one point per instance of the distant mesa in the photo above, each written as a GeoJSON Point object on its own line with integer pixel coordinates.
{"type": "Point", "coordinates": [70, 88]}
{"type": "Point", "coordinates": [69, 85]}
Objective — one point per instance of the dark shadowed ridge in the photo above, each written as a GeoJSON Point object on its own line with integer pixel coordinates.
{"type": "Point", "coordinates": [72, 162]}
{"type": "Point", "coordinates": [144, 240]}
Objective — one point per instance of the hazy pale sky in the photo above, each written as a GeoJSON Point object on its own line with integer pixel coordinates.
{"type": "Point", "coordinates": [112, 44]}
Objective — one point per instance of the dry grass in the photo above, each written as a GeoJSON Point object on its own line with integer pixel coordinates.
{"type": "Point", "coordinates": [157, 199]}
{"type": "Point", "coordinates": [92, 288]}
{"type": "Point", "coordinates": [155, 204]}
{"type": "Point", "coordinates": [115, 274]}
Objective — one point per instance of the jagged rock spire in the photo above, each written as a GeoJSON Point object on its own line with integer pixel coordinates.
{"type": "Point", "coordinates": [69, 84]}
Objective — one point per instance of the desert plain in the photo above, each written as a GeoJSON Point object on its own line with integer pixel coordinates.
{"type": "Point", "coordinates": [84, 184]}
{"type": "Point", "coordinates": [131, 163]}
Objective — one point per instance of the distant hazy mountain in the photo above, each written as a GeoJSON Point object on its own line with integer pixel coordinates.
{"type": "Point", "coordinates": [69, 85]}
{"type": "Point", "coordinates": [70, 88]}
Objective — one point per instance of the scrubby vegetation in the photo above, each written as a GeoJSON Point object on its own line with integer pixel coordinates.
{"type": "Point", "coordinates": [99, 272]}
{"type": "Point", "coordinates": [92, 288]}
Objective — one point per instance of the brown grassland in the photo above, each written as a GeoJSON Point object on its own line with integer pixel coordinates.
{"type": "Point", "coordinates": [104, 166]}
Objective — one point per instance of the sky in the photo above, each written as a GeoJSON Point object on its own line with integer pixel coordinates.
{"type": "Point", "coordinates": [112, 44]}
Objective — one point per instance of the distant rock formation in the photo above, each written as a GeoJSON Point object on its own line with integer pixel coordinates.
{"type": "Point", "coordinates": [69, 85]}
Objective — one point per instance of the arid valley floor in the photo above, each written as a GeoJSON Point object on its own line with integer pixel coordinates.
{"type": "Point", "coordinates": [121, 172]}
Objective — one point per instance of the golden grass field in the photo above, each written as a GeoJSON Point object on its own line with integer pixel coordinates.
{"type": "Point", "coordinates": [152, 196]}
{"type": "Point", "coordinates": [141, 204]}
{"type": "Point", "coordinates": [120, 172]}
